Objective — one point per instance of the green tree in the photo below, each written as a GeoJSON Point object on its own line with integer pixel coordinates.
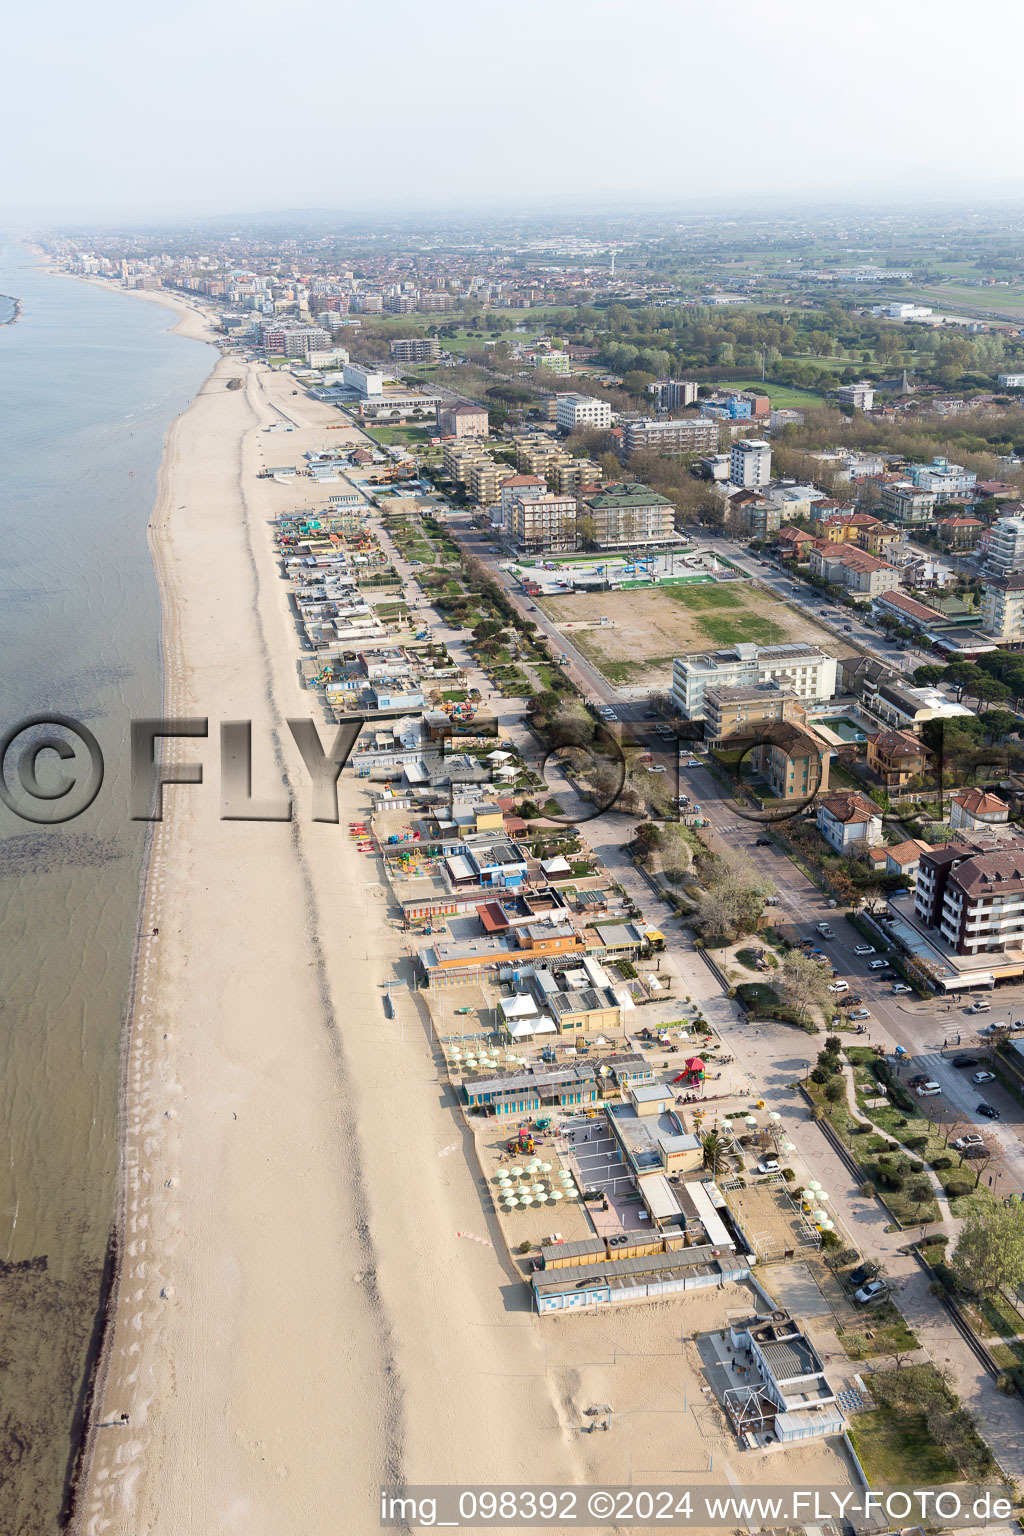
{"type": "Point", "coordinates": [803, 981]}
{"type": "Point", "coordinates": [835, 1092]}
{"type": "Point", "coordinates": [713, 1151]}
{"type": "Point", "coordinates": [989, 1254]}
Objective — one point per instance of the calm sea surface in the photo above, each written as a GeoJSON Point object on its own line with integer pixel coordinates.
{"type": "Point", "coordinates": [89, 381]}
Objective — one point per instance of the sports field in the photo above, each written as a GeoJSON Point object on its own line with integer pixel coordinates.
{"type": "Point", "coordinates": [650, 627]}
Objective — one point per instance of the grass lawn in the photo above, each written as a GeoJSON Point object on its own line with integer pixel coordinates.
{"type": "Point", "coordinates": [895, 1447]}
{"type": "Point", "coordinates": [721, 615]}
{"type": "Point", "coordinates": [782, 396]}
{"type": "Point", "coordinates": [888, 1332]}
{"type": "Point", "coordinates": [407, 436]}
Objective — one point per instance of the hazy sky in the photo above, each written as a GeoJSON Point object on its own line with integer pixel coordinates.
{"type": "Point", "coordinates": [218, 106]}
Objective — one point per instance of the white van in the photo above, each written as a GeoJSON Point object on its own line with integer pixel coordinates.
{"type": "Point", "coordinates": [980, 1007]}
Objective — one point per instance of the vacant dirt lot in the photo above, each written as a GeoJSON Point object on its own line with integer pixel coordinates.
{"type": "Point", "coordinates": [650, 627]}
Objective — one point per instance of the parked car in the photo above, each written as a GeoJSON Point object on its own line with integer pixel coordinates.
{"type": "Point", "coordinates": [875, 1290]}
{"type": "Point", "coordinates": [862, 1274]}
{"type": "Point", "coordinates": [877, 965]}
{"type": "Point", "coordinates": [823, 927]}
{"type": "Point", "coordinates": [983, 1077]}
{"type": "Point", "coordinates": [994, 1028]}
{"type": "Point", "coordinates": [929, 1090]}
{"type": "Point", "coordinates": [971, 1140]}
{"type": "Point", "coordinates": [964, 1061]}
{"type": "Point", "coordinates": [826, 931]}
{"type": "Point", "coordinates": [859, 1013]}
{"type": "Point", "coordinates": [770, 1165]}
{"type": "Point", "coordinates": [989, 1111]}
{"type": "Point", "coordinates": [864, 949]}
{"type": "Point", "coordinates": [839, 986]}
{"type": "Point", "coordinates": [693, 762]}
{"type": "Point", "coordinates": [979, 1007]}
{"type": "Point", "coordinates": [900, 988]}
{"type": "Point", "coordinates": [763, 842]}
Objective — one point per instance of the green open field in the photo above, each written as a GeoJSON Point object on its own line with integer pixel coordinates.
{"type": "Point", "coordinates": [949, 298]}
{"type": "Point", "coordinates": [782, 397]}
{"type": "Point", "coordinates": [409, 437]}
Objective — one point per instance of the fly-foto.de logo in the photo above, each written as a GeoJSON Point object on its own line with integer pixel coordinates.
{"type": "Point", "coordinates": [52, 768]}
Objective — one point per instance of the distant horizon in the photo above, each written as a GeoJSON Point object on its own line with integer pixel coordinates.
{"type": "Point", "coordinates": [555, 209]}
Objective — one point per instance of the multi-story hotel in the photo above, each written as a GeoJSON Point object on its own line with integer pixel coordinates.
{"type": "Point", "coordinates": [808, 672]}
{"type": "Point", "coordinates": [573, 411]}
{"type": "Point", "coordinates": [694, 434]}
{"type": "Point", "coordinates": [543, 524]}
{"type": "Point", "coordinates": [1002, 607]}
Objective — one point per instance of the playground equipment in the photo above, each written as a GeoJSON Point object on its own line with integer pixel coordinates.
{"type": "Point", "coordinates": [521, 1143]}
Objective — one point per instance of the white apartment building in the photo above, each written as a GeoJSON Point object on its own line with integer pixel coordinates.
{"type": "Point", "coordinates": [750, 462]}
{"type": "Point", "coordinates": [1002, 607]}
{"type": "Point", "coordinates": [1010, 380]}
{"type": "Point", "coordinates": [944, 478]}
{"type": "Point", "coordinates": [573, 411]}
{"type": "Point", "coordinates": [1006, 546]}
{"type": "Point", "coordinates": [805, 670]}
{"type": "Point", "coordinates": [543, 524]}
{"type": "Point", "coordinates": [857, 397]}
{"type": "Point", "coordinates": [366, 381]}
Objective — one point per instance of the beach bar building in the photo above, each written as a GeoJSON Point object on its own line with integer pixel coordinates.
{"type": "Point", "coordinates": [636, 1278]}
{"type": "Point", "coordinates": [522, 1093]}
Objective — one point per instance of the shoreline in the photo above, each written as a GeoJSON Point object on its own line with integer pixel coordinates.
{"type": "Point", "coordinates": [18, 308]}
{"type": "Point", "coordinates": [94, 1381]}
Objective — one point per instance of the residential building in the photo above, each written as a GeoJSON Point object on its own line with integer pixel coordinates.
{"type": "Point", "coordinates": [910, 708]}
{"type": "Point", "coordinates": [416, 349]}
{"type": "Point", "coordinates": [944, 478]}
{"type": "Point", "coordinates": [905, 503]}
{"type": "Point", "coordinates": [905, 859]}
{"type": "Point", "coordinates": [367, 382]}
{"type": "Point", "coordinates": [458, 457]}
{"type": "Point", "coordinates": [750, 462]}
{"type": "Point", "coordinates": [687, 434]}
{"type": "Point", "coordinates": [806, 670]}
{"type": "Point", "coordinates": [761, 517]}
{"type": "Point", "coordinates": [1002, 607]}
{"type": "Point", "coordinates": [856, 397]}
{"type": "Point", "coordinates": [746, 709]}
{"type": "Point", "coordinates": [971, 808]}
{"type": "Point", "coordinates": [571, 477]}
{"type": "Point", "coordinates": [461, 418]}
{"type": "Point", "coordinates": [849, 822]}
{"type": "Point", "coordinates": [1005, 547]}
{"type": "Point", "coordinates": [794, 760]}
{"type": "Point", "coordinates": [854, 569]}
{"type": "Point", "coordinates": [543, 524]}
{"type": "Point", "coordinates": [876, 538]}
{"type": "Point", "coordinates": [896, 757]}
{"type": "Point", "coordinates": [1010, 380]}
{"type": "Point", "coordinates": [673, 394]}
{"type": "Point", "coordinates": [794, 541]}
{"type": "Point", "coordinates": [515, 487]}
{"type": "Point", "coordinates": [627, 513]}
{"type": "Point", "coordinates": [485, 480]}
{"type": "Point", "coordinates": [572, 411]}
{"type": "Point", "coordinates": [960, 532]}
{"type": "Point", "coordinates": [435, 303]}
{"type": "Point", "coordinates": [777, 420]}
{"type": "Point", "coordinates": [975, 899]}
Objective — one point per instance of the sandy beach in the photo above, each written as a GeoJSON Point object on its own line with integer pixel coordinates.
{"type": "Point", "coordinates": [300, 1317]}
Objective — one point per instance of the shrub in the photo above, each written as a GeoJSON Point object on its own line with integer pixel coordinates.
{"type": "Point", "coordinates": [957, 1184]}
{"type": "Point", "coordinates": [524, 1246]}
{"type": "Point", "coordinates": [788, 1175]}
{"type": "Point", "coordinates": [938, 1163]}
{"type": "Point", "coordinates": [867, 1190]}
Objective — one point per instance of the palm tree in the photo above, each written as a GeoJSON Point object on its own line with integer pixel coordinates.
{"type": "Point", "coordinates": [714, 1151]}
